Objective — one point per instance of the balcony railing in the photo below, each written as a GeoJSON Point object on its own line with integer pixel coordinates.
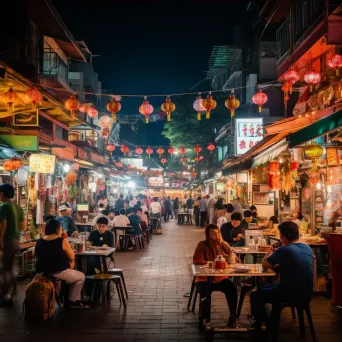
{"type": "Point", "coordinates": [283, 40]}
{"type": "Point", "coordinates": [54, 65]}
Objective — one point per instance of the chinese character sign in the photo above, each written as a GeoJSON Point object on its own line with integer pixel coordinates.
{"type": "Point", "coordinates": [248, 132]}
{"type": "Point", "coordinates": [42, 163]}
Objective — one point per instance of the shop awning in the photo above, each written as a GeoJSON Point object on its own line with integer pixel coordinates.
{"type": "Point", "coordinates": [317, 129]}
{"type": "Point", "coordinates": [270, 153]}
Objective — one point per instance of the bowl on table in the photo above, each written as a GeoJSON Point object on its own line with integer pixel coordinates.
{"type": "Point", "coordinates": [241, 268]}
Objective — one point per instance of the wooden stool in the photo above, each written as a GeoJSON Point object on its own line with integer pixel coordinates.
{"type": "Point", "coordinates": [138, 239]}
{"type": "Point", "coordinates": [119, 272]}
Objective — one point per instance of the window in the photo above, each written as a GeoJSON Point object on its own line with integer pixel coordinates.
{"type": "Point", "coordinates": [45, 125]}
{"type": "Point", "coordinates": [61, 133]}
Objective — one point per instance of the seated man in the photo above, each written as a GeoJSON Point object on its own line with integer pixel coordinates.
{"type": "Point", "coordinates": [248, 219]}
{"type": "Point", "coordinates": [103, 213]}
{"type": "Point", "coordinates": [143, 219]}
{"type": "Point", "coordinates": [232, 231]}
{"type": "Point", "coordinates": [296, 265]}
{"type": "Point", "coordinates": [120, 220]}
{"type": "Point", "coordinates": [208, 250]}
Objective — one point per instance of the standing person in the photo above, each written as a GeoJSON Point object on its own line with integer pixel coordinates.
{"type": "Point", "coordinates": [119, 204]}
{"type": "Point", "coordinates": [167, 209]}
{"type": "Point", "coordinates": [176, 207]}
{"type": "Point", "coordinates": [66, 221]}
{"type": "Point", "coordinates": [111, 202]}
{"type": "Point", "coordinates": [197, 211]}
{"type": "Point", "coordinates": [209, 250]}
{"type": "Point", "coordinates": [219, 203]}
{"type": "Point", "coordinates": [190, 205]}
{"type": "Point", "coordinates": [184, 199]}
{"type": "Point", "coordinates": [11, 224]}
{"type": "Point", "coordinates": [103, 201]}
{"type": "Point", "coordinates": [155, 210]}
{"type": "Point", "coordinates": [203, 210]}
{"type": "Point", "coordinates": [211, 209]}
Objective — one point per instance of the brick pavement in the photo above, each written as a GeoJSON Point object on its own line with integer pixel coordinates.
{"type": "Point", "coordinates": [157, 279]}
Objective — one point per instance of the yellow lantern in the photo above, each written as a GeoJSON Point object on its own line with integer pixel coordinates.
{"type": "Point", "coordinates": [232, 103]}
{"type": "Point", "coordinates": [314, 151]}
{"type": "Point", "coordinates": [168, 107]}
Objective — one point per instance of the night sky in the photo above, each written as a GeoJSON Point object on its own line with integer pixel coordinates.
{"type": "Point", "coordinates": [151, 47]}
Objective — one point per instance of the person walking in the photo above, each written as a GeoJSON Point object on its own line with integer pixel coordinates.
{"type": "Point", "coordinates": [11, 224]}
{"type": "Point", "coordinates": [203, 211]}
{"type": "Point", "coordinates": [211, 209]}
{"type": "Point", "coordinates": [176, 207]}
{"type": "Point", "coordinates": [197, 211]}
{"type": "Point", "coordinates": [167, 208]}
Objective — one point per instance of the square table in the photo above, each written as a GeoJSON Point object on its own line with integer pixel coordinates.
{"type": "Point", "coordinates": [245, 250]}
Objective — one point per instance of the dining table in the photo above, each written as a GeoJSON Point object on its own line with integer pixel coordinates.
{"type": "Point", "coordinates": [243, 251]}
{"type": "Point", "coordinates": [253, 270]}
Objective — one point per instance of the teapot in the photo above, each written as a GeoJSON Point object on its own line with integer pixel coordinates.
{"type": "Point", "coordinates": [220, 263]}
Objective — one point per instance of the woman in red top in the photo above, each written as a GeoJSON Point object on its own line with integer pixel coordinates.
{"type": "Point", "coordinates": [208, 250]}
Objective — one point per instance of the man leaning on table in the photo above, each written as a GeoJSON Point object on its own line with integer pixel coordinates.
{"type": "Point", "coordinates": [296, 266]}
{"type": "Point", "coordinates": [208, 250]}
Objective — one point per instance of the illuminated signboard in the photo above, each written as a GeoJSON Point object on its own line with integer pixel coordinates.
{"type": "Point", "coordinates": [42, 163]}
{"type": "Point", "coordinates": [155, 182]}
{"type": "Point", "coordinates": [248, 132]}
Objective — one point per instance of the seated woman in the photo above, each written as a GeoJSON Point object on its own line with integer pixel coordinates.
{"type": "Point", "coordinates": [271, 222]}
{"type": "Point", "coordinates": [208, 250]}
{"type": "Point", "coordinates": [54, 256]}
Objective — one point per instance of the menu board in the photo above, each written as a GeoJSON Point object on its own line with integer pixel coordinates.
{"type": "Point", "coordinates": [333, 158]}
{"type": "Point", "coordinates": [42, 163]}
{"type": "Point", "coordinates": [319, 209]}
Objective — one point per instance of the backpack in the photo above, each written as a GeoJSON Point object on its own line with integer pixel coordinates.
{"type": "Point", "coordinates": [39, 303]}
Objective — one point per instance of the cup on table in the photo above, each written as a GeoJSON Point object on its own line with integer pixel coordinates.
{"type": "Point", "coordinates": [210, 264]}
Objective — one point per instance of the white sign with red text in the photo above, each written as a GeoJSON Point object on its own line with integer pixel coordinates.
{"type": "Point", "coordinates": [248, 132]}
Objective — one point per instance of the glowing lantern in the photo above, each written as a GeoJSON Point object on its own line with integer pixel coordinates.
{"type": "Point", "coordinates": [182, 150]}
{"type": "Point", "coordinates": [9, 97]}
{"type": "Point", "coordinates": [110, 148]}
{"type": "Point", "coordinates": [260, 98]}
{"type": "Point", "coordinates": [85, 107]}
{"type": "Point", "coordinates": [149, 151]}
{"type": "Point", "coordinates": [201, 157]}
{"type": "Point", "coordinates": [314, 152]}
{"type": "Point", "coordinates": [232, 103]}
{"type": "Point", "coordinates": [291, 76]}
{"type": "Point", "coordinates": [286, 88]}
{"type": "Point", "coordinates": [197, 159]}
{"type": "Point", "coordinates": [163, 160]}
{"type": "Point", "coordinates": [92, 112]}
{"type": "Point", "coordinates": [274, 175]}
{"type": "Point", "coordinates": [312, 77]}
{"type": "Point", "coordinates": [335, 62]}
{"type": "Point", "coordinates": [72, 104]}
{"type": "Point", "coordinates": [294, 166]}
{"type": "Point", "coordinates": [198, 106]}
{"type": "Point", "coordinates": [146, 109]}
{"type": "Point", "coordinates": [211, 148]}
{"type": "Point", "coordinates": [183, 160]}
{"type": "Point", "coordinates": [139, 151]}
{"type": "Point", "coordinates": [171, 150]}
{"type": "Point", "coordinates": [124, 149]}
{"type": "Point", "coordinates": [113, 107]}
{"type": "Point", "coordinates": [197, 149]}
{"type": "Point", "coordinates": [34, 96]}
{"type": "Point", "coordinates": [168, 107]}
{"type": "Point", "coordinates": [105, 121]}
{"type": "Point", "coordinates": [118, 164]}
{"type": "Point", "coordinates": [160, 151]}
{"type": "Point", "coordinates": [209, 104]}
{"type": "Point", "coordinates": [104, 133]}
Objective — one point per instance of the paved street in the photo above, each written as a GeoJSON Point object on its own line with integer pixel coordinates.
{"type": "Point", "coordinates": [157, 279]}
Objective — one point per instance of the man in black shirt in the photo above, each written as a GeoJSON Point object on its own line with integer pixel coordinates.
{"type": "Point", "coordinates": [167, 208]}
{"type": "Point", "coordinates": [119, 204]}
{"type": "Point", "coordinates": [232, 232]}
{"type": "Point", "coordinates": [101, 236]}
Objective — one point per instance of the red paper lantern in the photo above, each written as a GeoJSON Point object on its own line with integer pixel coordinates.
{"type": "Point", "coordinates": [182, 150]}
{"type": "Point", "coordinates": [168, 107]}
{"type": "Point", "coordinates": [294, 165]}
{"type": "Point", "coordinates": [160, 151]}
{"type": "Point", "coordinates": [171, 150]}
{"type": "Point", "coordinates": [274, 175]}
{"type": "Point", "coordinates": [291, 76]}
{"type": "Point", "coordinates": [183, 160]}
{"type": "Point", "coordinates": [85, 107]}
{"type": "Point", "coordinates": [198, 106]}
{"type": "Point", "coordinates": [163, 160]}
{"type": "Point", "coordinates": [118, 164]}
{"type": "Point", "coordinates": [197, 149]}
{"type": "Point", "coordinates": [92, 112]}
{"type": "Point", "coordinates": [260, 98]}
{"type": "Point", "coordinates": [9, 97]}
{"type": "Point", "coordinates": [34, 96]}
{"type": "Point", "coordinates": [146, 109]}
{"type": "Point", "coordinates": [72, 104]}
{"type": "Point", "coordinates": [335, 62]}
{"type": "Point", "coordinates": [197, 159]}
{"type": "Point", "coordinates": [110, 148]}
{"type": "Point", "coordinates": [209, 104]}
{"type": "Point", "coordinates": [113, 107]}
{"type": "Point", "coordinates": [232, 103]}
{"type": "Point", "coordinates": [149, 151]}
{"type": "Point", "coordinates": [139, 151]}
{"type": "Point", "coordinates": [211, 147]}
{"type": "Point", "coordinates": [124, 149]}
{"type": "Point", "coordinates": [312, 77]}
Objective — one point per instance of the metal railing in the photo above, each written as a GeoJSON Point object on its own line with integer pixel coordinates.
{"type": "Point", "coordinates": [54, 65]}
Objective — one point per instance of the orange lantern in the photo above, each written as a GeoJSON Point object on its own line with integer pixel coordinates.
{"type": "Point", "coordinates": [113, 107]}
{"type": "Point", "coordinates": [314, 151]}
{"type": "Point", "coordinates": [104, 133]}
{"type": "Point", "coordinates": [110, 148]}
{"type": "Point", "coordinates": [197, 159]}
{"type": "Point", "coordinates": [160, 151]}
{"type": "Point", "coordinates": [168, 107]}
{"type": "Point", "coordinates": [149, 151]}
{"type": "Point", "coordinates": [312, 77]}
{"type": "Point", "coordinates": [34, 96]}
{"type": "Point", "coordinates": [198, 106]}
{"type": "Point", "coordinates": [211, 147]}
{"type": "Point", "coordinates": [146, 109]}
{"type": "Point", "coordinates": [171, 150]}
{"type": "Point", "coordinates": [260, 98]}
{"type": "Point", "coordinates": [232, 103]}
{"type": "Point", "coordinates": [182, 150]}
{"type": "Point", "coordinates": [294, 166]}
{"type": "Point", "coordinates": [209, 104]}
{"type": "Point", "coordinates": [72, 104]}
{"type": "Point", "coordinates": [9, 97]}
{"type": "Point", "coordinates": [85, 107]}
{"type": "Point", "coordinates": [274, 175]}
{"type": "Point", "coordinates": [193, 174]}
{"type": "Point", "coordinates": [197, 149]}
{"type": "Point", "coordinates": [335, 62]}
{"type": "Point", "coordinates": [291, 76]}
{"type": "Point", "coordinates": [286, 88]}
{"type": "Point", "coordinates": [139, 151]}
{"type": "Point", "coordinates": [163, 160]}
{"type": "Point", "coordinates": [124, 149]}
{"type": "Point", "coordinates": [118, 164]}
{"type": "Point", "coordinates": [92, 112]}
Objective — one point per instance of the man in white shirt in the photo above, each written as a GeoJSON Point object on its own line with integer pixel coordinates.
{"type": "Point", "coordinates": [103, 213]}
{"type": "Point", "coordinates": [155, 209]}
{"type": "Point", "coordinates": [103, 201]}
{"type": "Point", "coordinates": [120, 221]}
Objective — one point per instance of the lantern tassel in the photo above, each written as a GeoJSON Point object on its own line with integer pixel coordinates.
{"type": "Point", "coordinates": [291, 89]}
{"type": "Point", "coordinates": [260, 109]}
{"type": "Point", "coordinates": [207, 114]}
{"type": "Point", "coordinates": [232, 112]}
{"type": "Point", "coordinates": [168, 116]}
{"type": "Point", "coordinates": [114, 117]}
{"type": "Point", "coordinates": [147, 119]}
{"type": "Point", "coordinates": [199, 116]}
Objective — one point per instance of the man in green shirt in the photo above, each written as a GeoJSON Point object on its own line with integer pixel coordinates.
{"type": "Point", "coordinates": [11, 224]}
